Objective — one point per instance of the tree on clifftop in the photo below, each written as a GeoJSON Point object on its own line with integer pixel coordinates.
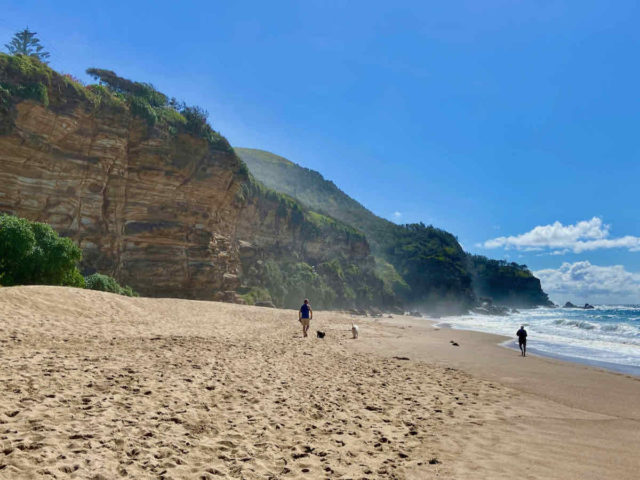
{"type": "Point", "coordinates": [27, 43]}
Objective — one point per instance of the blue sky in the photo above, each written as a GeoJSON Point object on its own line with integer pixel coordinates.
{"type": "Point", "coordinates": [486, 118]}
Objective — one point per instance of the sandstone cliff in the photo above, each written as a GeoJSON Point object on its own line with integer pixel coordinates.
{"type": "Point", "coordinates": [165, 211]}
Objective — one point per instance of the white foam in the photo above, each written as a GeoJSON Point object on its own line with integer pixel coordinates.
{"type": "Point", "coordinates": [604, 334]}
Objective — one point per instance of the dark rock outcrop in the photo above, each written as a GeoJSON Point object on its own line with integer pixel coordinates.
{"type": "Point", "coordinates": [267, 304]}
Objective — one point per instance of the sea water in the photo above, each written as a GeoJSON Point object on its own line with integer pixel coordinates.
{"type": "Point", "coordinates": [607, 336]}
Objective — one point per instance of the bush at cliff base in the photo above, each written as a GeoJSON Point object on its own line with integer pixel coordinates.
{"type": "Point", "coordinates": [32, 253]}
{"type": "Point", "coordinates": [105, 283]}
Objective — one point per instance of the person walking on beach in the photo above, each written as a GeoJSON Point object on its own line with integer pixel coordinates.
{"type": "Point", "coordinates": [522, 340]}
{"type": "Point", "coordinates": [305, 314]}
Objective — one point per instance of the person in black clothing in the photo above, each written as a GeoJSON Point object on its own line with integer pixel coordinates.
{"type": "Point", "coordinates": [522, 340]}
{"type": "Point", "coordinates": [305, 314]}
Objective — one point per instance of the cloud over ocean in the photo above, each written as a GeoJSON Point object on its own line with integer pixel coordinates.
{"type": "Point", "coordinates": [584, 282]}
{"type": "Point", "coordinates": [587, 235]}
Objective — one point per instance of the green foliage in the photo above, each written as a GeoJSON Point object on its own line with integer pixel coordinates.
{"type": "Point", "coordinates": [23, 77]}
{"type": "Point", "coordinates": [5, 109]}
{"type": "Point", "coordinates": [27, 43]}
{"type": "Point", "coordinates": [143, 91]}
{"type": "Point", "coordinates": [337, 283]}
{"type": "Point", "coordinates": [102, 97]}
{"type": "Point", "coordinates": [196, 124]}
{"type": "Point", "coordinates": [156, 108]}
{"type": "Point", "coordinates": [433, 264]}
{"type": "Point", "coordinates": [196, 118]}
{"type": "Point", "coordinates": [252, 295]}
{"type": "Point", "coordinates": [418, 264]}
{"type": "Point", "coordinates": [289, 282]}
{"type": "Point", "coordinates": [507, 283]}
{"type": "Point", "coordinates": [320, 223]}
{"type": "Point", "coordinates": [170, 116]}
{"type": "Point", "coordinates": [242, 171]}
{"type": "Point", "coordinates": [311, 224]}
{"type": "Point", "coordinates": [31, 91]}
{"type": "Point", "coordinates": [26, 78]}
{"type": "Point", "coordinates": [317, 194]}
{"type": "Point", "coordinates": [143, 109]}
{"type": "Point", "coordinates": [5, 96]}
{"type": "Point", "coordinates": [299, 281]}
{"type": "Point", "coordinates": [394, 284]}
{"type": "Point", "coordinates": [32, 253]}
{"type": "Point", "coordinates": [143, 99]}
{"type": "Point", "coordinates": [24, 69]}
{"type": "Point", "coordinates": [105, 283]}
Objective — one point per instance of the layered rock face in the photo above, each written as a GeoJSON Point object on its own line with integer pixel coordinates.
{"type": "Point", "coordinates": [161, 212]}
{"type": "Point", "coordinates": [154, 211]}
{"type": "Point", "coordinates": [278, 234]}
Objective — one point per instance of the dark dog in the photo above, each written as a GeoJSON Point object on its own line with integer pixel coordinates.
{"type": "Point", "coordinates": [320, 334]}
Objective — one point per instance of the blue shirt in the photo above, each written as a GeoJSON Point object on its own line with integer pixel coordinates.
{"type": "Point", "coordinates": [304, 309]}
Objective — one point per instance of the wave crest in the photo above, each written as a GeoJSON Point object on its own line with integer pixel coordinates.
{"type": "Point", "coordinates": [583, 324]}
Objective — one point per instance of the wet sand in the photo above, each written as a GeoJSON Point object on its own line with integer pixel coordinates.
{"type": "Point", "coordinates": [100, 386]}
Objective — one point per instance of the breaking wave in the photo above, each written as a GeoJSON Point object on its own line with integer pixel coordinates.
{"type": "Point", "coordinates": [607, 334]}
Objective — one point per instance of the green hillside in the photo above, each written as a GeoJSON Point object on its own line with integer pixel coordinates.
{"type": "Point", "coordinates": [423, 265]}
{"type": "Point", "coordinates": [317, 194]}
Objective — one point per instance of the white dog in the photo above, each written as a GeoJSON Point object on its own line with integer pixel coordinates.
{"type": "Point", "coordinates": [354, 330]}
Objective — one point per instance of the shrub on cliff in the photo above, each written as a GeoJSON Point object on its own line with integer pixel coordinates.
{"type": "Point", "coordinates": [156, 108]}
{"type": "Point", "coordinates": [105, 283]}
{"type": "Point", "coordinates": [143, 91]}
{"type": "Point", "coordinates": [24, 77]}
{"type": "Point", "coordinates": [32, 253]}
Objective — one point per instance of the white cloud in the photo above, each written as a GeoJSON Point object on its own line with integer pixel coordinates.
{"type": "Point", "coordinates": [583, 236]}
{"type": "Point", "coordinates": [397, 215]}
{"type": "Point", "coordinates": [582, 282]}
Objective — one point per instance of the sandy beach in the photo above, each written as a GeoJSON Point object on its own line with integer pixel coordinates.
{"type": "Point", "coordinates": [101, 386]}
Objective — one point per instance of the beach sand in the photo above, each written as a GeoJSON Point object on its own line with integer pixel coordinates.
{"type": "Point", "coordinates": [100, 386]}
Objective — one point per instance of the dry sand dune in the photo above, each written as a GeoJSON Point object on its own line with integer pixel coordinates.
{"type": "Point", "coordinates": [101, 386]}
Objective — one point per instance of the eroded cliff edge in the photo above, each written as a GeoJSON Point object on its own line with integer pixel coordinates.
{"type": "Point", "coordinates": [150, 203]}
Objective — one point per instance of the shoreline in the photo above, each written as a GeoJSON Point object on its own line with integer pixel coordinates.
{"type": "Point", "coordinates": [557, 345]}
{"type": "Point", "coordinates": [608, 366]}
{"type": "Point", "coordinates": [511, 344]}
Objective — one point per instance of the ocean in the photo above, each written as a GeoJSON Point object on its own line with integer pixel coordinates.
{"type": "Point", "coordinates": [607, 336]}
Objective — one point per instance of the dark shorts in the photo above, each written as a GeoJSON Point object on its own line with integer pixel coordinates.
{"type": "Point", "coordinates": [522, 341]}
